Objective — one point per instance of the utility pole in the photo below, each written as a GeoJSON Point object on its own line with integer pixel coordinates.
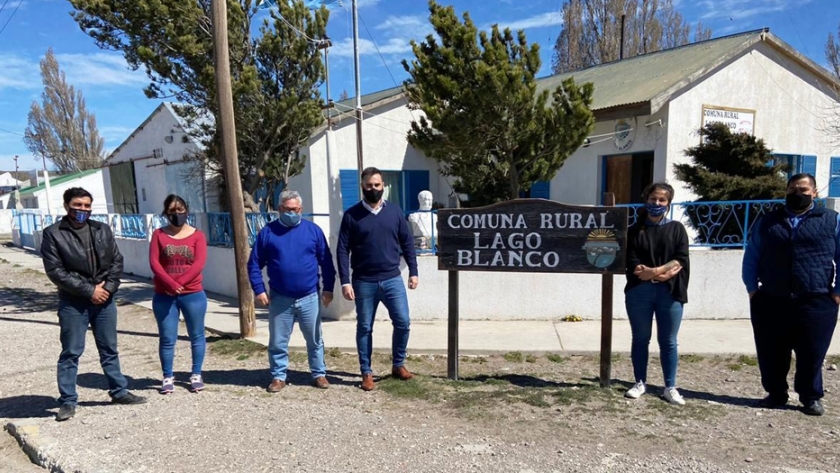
{"type": "Point", "coordinates": [359, 154]}
{"type": "Point", "coordinates": [46, 186]}
{"type": "Point", "coordinates": [247, 324]}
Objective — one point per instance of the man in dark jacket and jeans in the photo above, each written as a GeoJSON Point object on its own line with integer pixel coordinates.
{"type": "Point", "coordinates": [82, 259]}
{"type": "Point", "coordinates": [789, 272]}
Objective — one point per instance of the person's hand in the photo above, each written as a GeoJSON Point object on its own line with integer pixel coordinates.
{"type": "Point", "coordinates": [262, 299]}
{"type": "Point", "coordinates": [413, 282]}
{"type": "Point", "coordinates": [668, 274]}
{"type": "Point", "coordinates": [752, 293]}
{"type": "Point", "coordinates": [326, 298]}
{"type": "Point", "coordinates": [836, 298]}
{"type": "Point", "coordinates": [179, 291]}
{"type": "Point", "coordinates": [347, 292]}
{"type": "Point", "coordinates": [100, 295]}
{"type": "Point", "coordinates": [644, 273]}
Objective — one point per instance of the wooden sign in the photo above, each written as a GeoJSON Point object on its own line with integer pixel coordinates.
{"type": "Point", "coordinates": [533, 235]}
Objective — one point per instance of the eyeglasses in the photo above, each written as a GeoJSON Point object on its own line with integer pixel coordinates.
{"type": "Point", "coordinates": [290, 209]}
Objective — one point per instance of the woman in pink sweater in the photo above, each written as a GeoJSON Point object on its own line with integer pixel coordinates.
{"type": "Point", "coordinates": [177, 256]}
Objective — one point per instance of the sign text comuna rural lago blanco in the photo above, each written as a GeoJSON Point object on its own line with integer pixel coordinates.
{"type": "Point", "coordinates": [533, 235]}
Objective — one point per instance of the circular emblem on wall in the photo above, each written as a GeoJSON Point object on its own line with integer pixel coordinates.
{"type": "Point", "coordinates": [625, 133]}
{"type": "Point", "coordinates": [601, 248]}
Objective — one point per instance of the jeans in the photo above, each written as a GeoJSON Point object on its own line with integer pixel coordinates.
{"type": "Point", "coordinates": [392, 293]}
{"type": "Point", "coordinates": [74, 316]}
{"type": "Point", "coordinates": [166, 309]}
{"type": "Point", "coordinates": [642, 303]}
{"type": "Point", "coordinates": [282, 312]}
{"type": "Point", "coordinates": [803, 325]}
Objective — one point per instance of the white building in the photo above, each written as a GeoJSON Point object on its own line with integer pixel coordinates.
{"type": "Point", "coordinates": [153, 162]}
{"type": "Point", "coordinates": [36, 197]}
{"type": "Point", "coordinates": [648, 109]}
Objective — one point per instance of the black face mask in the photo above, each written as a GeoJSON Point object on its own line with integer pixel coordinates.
{"type": "Point", "coordinates": [177, 220]}
{"type": "Point", "coordinates": [372, 196]}
{"type": "Point", "coordinates": [798, 202]}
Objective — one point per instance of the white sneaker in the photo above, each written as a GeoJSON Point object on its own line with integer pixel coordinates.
{"type": "Point", "coordinates": [673, 396]}
{"type": "Point", "coordinates": [636, 391]}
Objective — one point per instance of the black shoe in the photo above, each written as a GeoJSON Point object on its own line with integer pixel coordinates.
{"type": "Point", "coordinates": [813, 408]}
{"type": "Point", "coordinates": [129, 399]}
{"type": "Point", "coordinates": [65, 412]}
{"type": "Point", "coordinates": [773, 401]}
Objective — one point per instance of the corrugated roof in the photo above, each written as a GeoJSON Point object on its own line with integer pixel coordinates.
{"type": "Point", "coordinates": [642, 78]}
{"type": "Point", "coordinates": [348, 105]}
{"type": "Point", "coordinates": [54, 181]}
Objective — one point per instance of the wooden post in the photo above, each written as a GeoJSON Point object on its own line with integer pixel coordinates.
{"type": "Point", "coordinates": [606, 315]}
{"type": "Point", "coordinates": [247, 325]}
{"type": "Point", "coordinates": [452, 353]}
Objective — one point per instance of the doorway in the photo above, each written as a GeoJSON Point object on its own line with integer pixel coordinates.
{"type": "Point", "coordinates": [627, 175]}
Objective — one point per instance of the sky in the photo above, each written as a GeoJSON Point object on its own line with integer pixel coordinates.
{"type": "Point", "coordinates": [114, 93]}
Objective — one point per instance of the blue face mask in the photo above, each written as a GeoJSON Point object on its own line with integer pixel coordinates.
{"type": "Point", "coordinates": [79, 216]}
{"type": "Point", "coordinates": [290, 219]}
{"type": "Point", "coordinates": [656, 210]}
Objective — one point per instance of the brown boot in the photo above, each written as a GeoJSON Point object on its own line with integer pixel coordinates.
{"type": "Point", "coordinates": [367, 382]}
{"type": "Point", "coordinates": [321, 382]}
{"type": "Point", "coordinates": [401, 372]}
{"type": "Point", "coordinates": [276, 386]}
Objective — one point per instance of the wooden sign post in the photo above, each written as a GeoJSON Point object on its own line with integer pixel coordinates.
{"type": "Point", "coordinates": [534, 236]}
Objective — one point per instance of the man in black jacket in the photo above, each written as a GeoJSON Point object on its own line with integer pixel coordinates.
{"type": "Point", "coordinates": [82, 259]}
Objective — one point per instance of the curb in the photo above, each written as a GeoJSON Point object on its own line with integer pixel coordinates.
{"type": "Point", "coordinates": [27, 432]}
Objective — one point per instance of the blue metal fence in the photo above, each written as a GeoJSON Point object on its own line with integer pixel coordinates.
{"type": "Point", "coordinates": [221, 230]}
{"type": "Point", "coordinates": [718, 224]}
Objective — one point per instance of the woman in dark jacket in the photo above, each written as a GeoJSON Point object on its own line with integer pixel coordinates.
{"type": "Point", "coordinates": [657, 284]}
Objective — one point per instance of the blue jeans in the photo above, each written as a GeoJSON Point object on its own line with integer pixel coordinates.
{"type": "Point", "coordinates": [166, 309]}
{"type": "Point", "coordinates": [392, 293]}
{"type": "Point", "coordinates": [642, 303]}
{"type": "Point", "coordinates": [74, 316]}
{"type": "Point", "coordinates": [282, 313]}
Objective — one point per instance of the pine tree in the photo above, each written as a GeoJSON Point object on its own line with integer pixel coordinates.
{"type": "Point", "coordinates": [485, 121]}
{"type": "Point", "coordinates": [729, 166]}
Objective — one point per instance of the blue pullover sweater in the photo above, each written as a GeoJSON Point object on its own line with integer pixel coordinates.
{"type": "Point", "coordinates": [293, 255]}
{"type": "Point", "coordinates": [372, 243]}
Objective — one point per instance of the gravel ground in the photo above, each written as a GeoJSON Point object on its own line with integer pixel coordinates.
{"type": "Point", "coordinates": [518, 412]}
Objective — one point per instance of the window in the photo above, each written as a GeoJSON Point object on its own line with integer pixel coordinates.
{"type": "Point", "coordinates": [401, 187]}
{"type": "Point", "coordinates": [834, 177]}
{"type": "Point", "coordinates": [796, 163]}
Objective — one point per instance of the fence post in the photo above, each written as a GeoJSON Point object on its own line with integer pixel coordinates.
{"type": "Point", "coordinates": [746, 222]}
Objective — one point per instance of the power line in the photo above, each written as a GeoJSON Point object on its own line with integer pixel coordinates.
{"type": "Point", "coordinates": [10, 16]}
{"type": "Point", "coordinates": [4, 6]}
{"type": "Point", "coordinates": [11, 132]}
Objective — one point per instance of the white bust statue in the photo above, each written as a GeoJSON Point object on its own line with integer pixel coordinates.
{"type": "Point", "coordinates": [424, 222]}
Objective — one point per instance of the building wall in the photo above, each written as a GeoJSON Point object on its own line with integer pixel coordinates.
{"type": "Point", "coordinates": [151, 171]}
{"type": "Point", "coordinates": [791, 109]}
{"type": "Point", "coordinates": [384, 143]}
{"type": "Point", "coordinates": [580, 180]}
{"type": "Point", "coordinates": [93, 183]}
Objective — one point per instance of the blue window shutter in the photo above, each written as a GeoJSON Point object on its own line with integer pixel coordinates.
{"type": "Point", "coordinates": [834, 178]}
{"type": "Point", "coordinates": [415, 182]}
{"type": "Point", "coordinates": [541, 190]}
{"type": "Point", "coordinates": [349, 187]}
{"type": "Point", "coordinates": [809, 165]}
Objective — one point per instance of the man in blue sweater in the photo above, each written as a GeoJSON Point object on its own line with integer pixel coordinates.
{"type": "Point", "coordinates": [373, 234]}
{"type": "Point", "coordinates": [788, 269]}
{"type": "Point", "coordinates": [293, 249]}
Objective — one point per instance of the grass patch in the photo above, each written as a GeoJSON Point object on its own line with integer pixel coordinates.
{"type": "Point", "coordinates": [334, 352]}
{"type": "Point", "coordinates": [530, 359]}
{"type": "Point", "coordinates": [235, 347]}
{"type": "Point", "coordinates": [411, 389]}
{"type": "Point", "coordinates": [833, 360]}
{"type": "Point", "coordinates": [736, 367]}
{"type": "Point", "coordinates": [691, 358]}
{"type": "Point", "coordinates": [478, 359]}
{"type": "Point", "coordinates": [514, 357]}
{"type": "Point", "coordinates": [415, 358]}
{"type": "Point", "coordinates": [555, 358]}
{"type": "Point", "coordinates": [242, 357]}
{"type": "Point", "coordinates": [748, 360]}
{"type": "Point", "coordinates": [17, 265]}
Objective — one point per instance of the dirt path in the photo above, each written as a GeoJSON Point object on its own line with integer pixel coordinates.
{"type": "Point", "coordinates": [513, 412]}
